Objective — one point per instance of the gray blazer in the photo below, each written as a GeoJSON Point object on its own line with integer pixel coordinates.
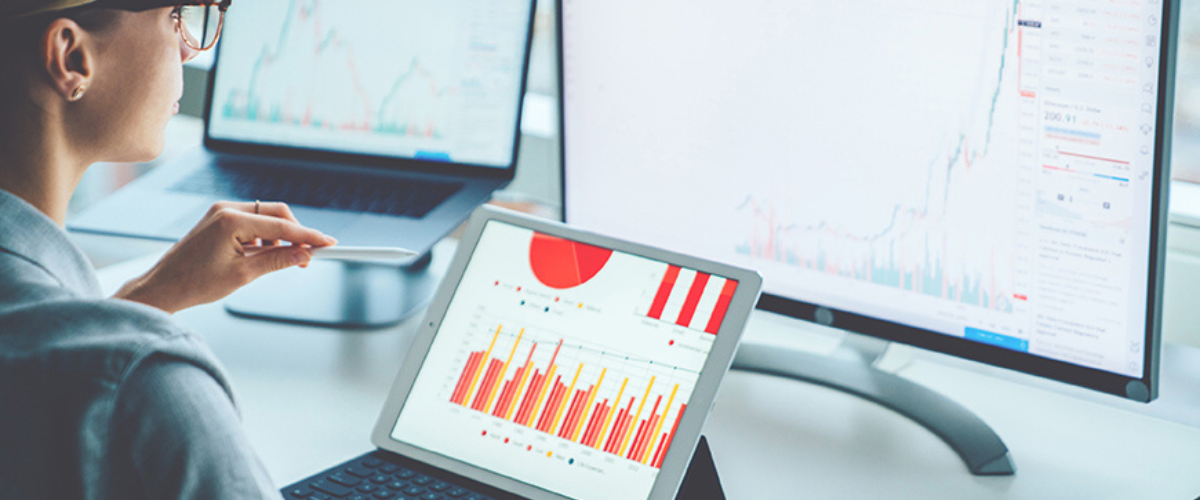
{"type": "Point", "coordinates": [104, 398]}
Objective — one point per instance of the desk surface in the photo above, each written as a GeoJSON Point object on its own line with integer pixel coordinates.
{"type": "Point", "coordinates": [310, 396]}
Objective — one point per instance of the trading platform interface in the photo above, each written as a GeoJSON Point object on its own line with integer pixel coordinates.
{"type": "Point", "coordinates": [980, 169]}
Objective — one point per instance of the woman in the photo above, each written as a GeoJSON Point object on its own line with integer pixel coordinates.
{"type": "Point", "coordinates": [108, 397]}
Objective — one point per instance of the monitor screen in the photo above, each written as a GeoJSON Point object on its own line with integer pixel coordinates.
{"type": "Point", "coordinates": [982, 178]}
{"type": "Point", "coordinates": [414, 79]}
{"type": "Point", "coordinates": [564, 365]}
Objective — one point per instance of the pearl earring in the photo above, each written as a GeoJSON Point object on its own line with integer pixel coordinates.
{"type": "Point", "coordinates": [78, 93]}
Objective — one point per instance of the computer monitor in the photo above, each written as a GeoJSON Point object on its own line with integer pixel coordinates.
{"type": "Point", "coordinates": [985, 179]}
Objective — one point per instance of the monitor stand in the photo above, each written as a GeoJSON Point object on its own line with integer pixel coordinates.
{"type": "Point", "coordinates": [345, 295]}
{"type": "Point", "coordinates": [850, 370]}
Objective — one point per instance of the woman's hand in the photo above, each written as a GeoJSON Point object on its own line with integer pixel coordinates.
{"type": "Point", "coordinates": [222, 253]}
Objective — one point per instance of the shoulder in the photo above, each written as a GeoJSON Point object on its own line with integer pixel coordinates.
{"type": "Point", "coordinates": [104, 338]}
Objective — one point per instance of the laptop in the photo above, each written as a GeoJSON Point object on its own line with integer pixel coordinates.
{"type": "Point", "coordinates": [552, 364]}
{"type": "Point", "coordinates": [380, 122]}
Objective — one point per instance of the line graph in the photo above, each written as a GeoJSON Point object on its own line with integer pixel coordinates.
{"type": "Point", "coordinates": [922, 244]}
{"type": "Point", "coordinates": [414, 105]}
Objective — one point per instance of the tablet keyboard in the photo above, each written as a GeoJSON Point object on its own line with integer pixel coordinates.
{"type": "Point", "coordinates": [372, 478]}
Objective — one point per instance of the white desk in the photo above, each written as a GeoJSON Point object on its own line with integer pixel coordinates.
{"type": "Point", "coordinates": [309, 398]}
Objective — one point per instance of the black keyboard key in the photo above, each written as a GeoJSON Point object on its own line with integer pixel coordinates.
{"type": "Point", "coordinates": [367, 487]}
{"type": "Point", "coordinates": [318, 496]}
{"type": "Point", "coordinates": [300, 492]}
{"type": "Point", "coordinates": [440, 486]}
{"type": "Point", "coordinates": [389, 468]}
{"type": "Point", "coordinates": [380, 479]}
{"type": "Point", "coordinates": [432, 496]}
{"type": "Point", "coordinates": [372, 462]}
{"type": "Point", "coordinates": [405, 474]}
{"type": "Point", "coordinates": [360, 471]}
{"type": "Point", "coordinates": [331, 488]}
{"type": "Point", "coordinates": [395, 485]}
{"type": "Point", "coordinates": [422, 480]}
{"type": "Point", "coordinates": [359, 497]}
{"type": "Point", "coordinates": [345, 479]}
{"type": "Point", "coordinates": [457, 492]}
{"type": "Point", "coordinates": [384, 494]}
{"type": "Point", "coordinates": [413, 491]}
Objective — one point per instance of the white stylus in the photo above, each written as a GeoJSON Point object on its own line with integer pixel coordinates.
{"type": "Point", "coordinates": [363, 253]}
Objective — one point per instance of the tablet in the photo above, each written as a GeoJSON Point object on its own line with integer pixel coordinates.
{"type": "Point", "coordinates": [560, 364]}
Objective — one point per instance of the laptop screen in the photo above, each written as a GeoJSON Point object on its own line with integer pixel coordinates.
{"type": "Point", "coordinates": [436, 80]}
{"type": "Point", "coordinates": [564, 365]}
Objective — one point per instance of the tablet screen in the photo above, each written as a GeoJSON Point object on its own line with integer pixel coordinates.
{"type": "Point", "coordinates": [563, 365]}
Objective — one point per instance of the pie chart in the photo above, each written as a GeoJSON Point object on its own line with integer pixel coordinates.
{"type": "Point", "coordinates": [559, 263]}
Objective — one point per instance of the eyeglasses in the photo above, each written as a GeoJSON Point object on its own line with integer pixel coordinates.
{"type": "Point", "coordinates": [200, 25]}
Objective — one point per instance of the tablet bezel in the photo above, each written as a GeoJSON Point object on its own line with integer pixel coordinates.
{"type": "Point", "coordinates": [677, 459]}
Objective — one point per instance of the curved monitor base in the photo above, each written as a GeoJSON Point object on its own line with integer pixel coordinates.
{"type": "Point", "coordinates": [336, 294]}
{"type": "Point", "coordinates": [975, 442]}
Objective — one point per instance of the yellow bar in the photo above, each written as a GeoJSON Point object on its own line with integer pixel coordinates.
{"type": "Point", "coordinates": [658, 428]}
{"type": "Point", "coordinates": [616, 406]}
{"type": "Point", "coordinates": [629, 432]}
{"type": "Point", "coordinates": [565, 400]}
{"type": "Point", "coordinates": [517, 395]}
{"type": "Point", "coordinates": [482, 363]}
{"type": "Point", "coordinates": [496, 387]}
{"type": "Point", "coordinates": [541, 397]}
{"type": "Point", "coordinates": [588, 406]}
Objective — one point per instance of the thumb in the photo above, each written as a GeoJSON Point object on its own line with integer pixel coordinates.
{"type": "Point", "coordinates": [277, 259]}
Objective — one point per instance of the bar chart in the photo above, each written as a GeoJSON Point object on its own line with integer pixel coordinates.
{"type": "Point", "coordinates": [598, 410]}
{"type": "Point", "coordinates": [692, 299]}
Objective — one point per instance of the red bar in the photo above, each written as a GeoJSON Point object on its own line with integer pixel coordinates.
{"type": "Point", "coordinates": [693, 298]}
{"type": "Point", "coordinates": [614, 430]}
{"type": "Point", "coordinates": [637, 437]}
{"type": "Point", "coordinates": [653, 420]}
{"type": "Point", "coordinates": [535, 388]}
{"type": "Point", "coordinates": [572, 412]}
{"type": "Point", "coordinates": [597, 417]}
{"type": "Point", "coordinates": [555, 399]}
{"type": "Point", "coordinates": [664, 292]}
{"type": "Point", "coordinates": [465, 378]}
{"type": "Point", "coordinates": [648, 439]}
{"type": "Point", "coordinates": [579, 412]}
{"type": "Point", "coordinates": [718, 315]}
{"type": "Point", "coordinates": [605, 410]}
{"type": "Point", "coordinates": [512, 395]}
{"type": "Point", "coordinates": [493, 371]}
{"type": "Point", "coordinates": [671, 436]}
{"type": "Point", "coordinates": [506, 395]}
{"type": "Point", "coordinates": [658, 454]}
{"type": "Point", "coordinates": [620, 434]}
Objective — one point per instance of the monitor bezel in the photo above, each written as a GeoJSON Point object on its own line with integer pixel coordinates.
{"type": "Point", "coordinates": [383, 162]}
{"type": "Point", "coordinates": [1142, 389]}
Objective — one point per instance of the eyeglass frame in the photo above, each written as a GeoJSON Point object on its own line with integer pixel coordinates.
{"type": "Point", "coordinates": [139, 6]}
{"type": "Point", "coordinates": [222, 6]}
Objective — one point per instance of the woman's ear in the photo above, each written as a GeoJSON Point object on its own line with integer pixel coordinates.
{"type": "Point", "coordinates": [67, 55]}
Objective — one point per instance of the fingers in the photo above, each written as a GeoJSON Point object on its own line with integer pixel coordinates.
{"type": "Point", "coordinates": [274, 259]}
{"type": "Point", "coordinates": [270, 208]}
{"type": "Point", "coordinates": [248, 227]}
{"type": "Point", "coordinates": [267, 208]}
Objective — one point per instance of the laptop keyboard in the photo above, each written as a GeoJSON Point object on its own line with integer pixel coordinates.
{"type": "Point", "coordinates": [370, 478]}
{"type": "Point", "coordinates": [354, 193]}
